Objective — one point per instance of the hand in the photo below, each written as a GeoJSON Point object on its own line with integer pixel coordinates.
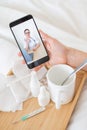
{"type": "Point", "coordinates": [57, 51]}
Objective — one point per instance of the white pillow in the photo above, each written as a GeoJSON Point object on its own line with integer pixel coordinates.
{"type": "Point", "coordinates": [8, 54]}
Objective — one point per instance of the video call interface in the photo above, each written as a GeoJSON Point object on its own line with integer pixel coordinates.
{"type": "Point", "coordinates": [29, 41]}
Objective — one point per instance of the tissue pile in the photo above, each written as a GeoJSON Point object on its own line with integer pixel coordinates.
{"type": "Point", "coordinates": [15, 89]}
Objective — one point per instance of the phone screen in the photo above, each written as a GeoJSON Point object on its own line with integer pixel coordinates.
{"type": "Point", "coordinates": [29, 41]}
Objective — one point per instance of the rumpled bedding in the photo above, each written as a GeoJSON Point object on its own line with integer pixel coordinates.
{"type": "Point", "coordinates": [65, 20]}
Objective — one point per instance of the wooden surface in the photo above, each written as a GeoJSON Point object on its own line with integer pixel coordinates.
{"type": "Point", "coordinates": [51, 119]}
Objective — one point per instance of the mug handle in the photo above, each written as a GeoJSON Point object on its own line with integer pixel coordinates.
{"type": "Point", "coordinates": [58, 100]}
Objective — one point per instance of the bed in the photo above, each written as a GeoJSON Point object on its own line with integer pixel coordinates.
{"type": "Point", "coordinates": [63, 20]}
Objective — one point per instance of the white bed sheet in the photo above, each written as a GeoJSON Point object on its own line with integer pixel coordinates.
{"type": "Point", "coordinates": [64, 20]}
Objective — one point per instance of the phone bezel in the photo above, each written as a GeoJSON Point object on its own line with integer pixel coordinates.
{"type": "Point", "coordinates": [21, 20]}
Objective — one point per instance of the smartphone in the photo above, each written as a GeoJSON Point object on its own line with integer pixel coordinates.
{"type": "Point", "coordinates": [29, 41]}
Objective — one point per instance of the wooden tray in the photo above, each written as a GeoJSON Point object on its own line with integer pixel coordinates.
{"type": "Point", "coordinates": [51, 119]}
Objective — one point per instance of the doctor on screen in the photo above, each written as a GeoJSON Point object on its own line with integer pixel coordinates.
{"type": "Point", "coordinates": [31, 44]}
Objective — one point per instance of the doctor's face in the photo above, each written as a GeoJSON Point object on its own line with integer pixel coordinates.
{"type": "Point", "coordinates": [27, 34]}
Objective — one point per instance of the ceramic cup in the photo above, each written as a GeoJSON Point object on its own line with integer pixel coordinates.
{"type": "Point", "coordinates": [61, 94]}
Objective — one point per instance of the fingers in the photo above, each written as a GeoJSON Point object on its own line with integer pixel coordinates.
{"type": "Point", "coordinates": [48, 41]}
{"type": "Point", "coordinates": [46, 37]}
{"type": "Point", "coordinates": [23, 62]}
{"type": "Point", "coordinates": [19, 53]}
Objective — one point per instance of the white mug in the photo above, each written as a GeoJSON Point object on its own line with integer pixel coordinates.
{"type": "Point", "coordinates": [61, 94]}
